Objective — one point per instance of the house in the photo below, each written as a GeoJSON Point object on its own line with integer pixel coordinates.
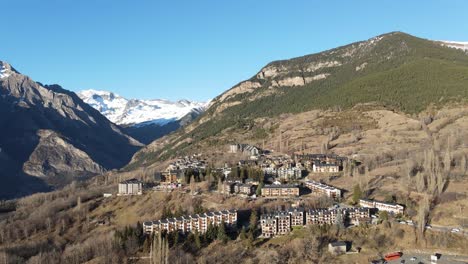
{"type": "Point", "coordinates": [131, 187]}
{"type": "Point", "coordinates": [244, 149]}
{"type": "Point", "coordinates": [381, 206]}
{"type": "Point", "coordinates": [171, 176]}
{"type": "Point", "coordinates": [284, 190]}
{"type": "Point", "coordinates": [289, 173]}
{"type": "Point", "coordinates": [324, 189]}
{"type": "Point", "coordinates": [338, 247]}
{"type": "Point", "coordinates": [228, 187]}
{"type": "Point", "coordinates": [246, 189]}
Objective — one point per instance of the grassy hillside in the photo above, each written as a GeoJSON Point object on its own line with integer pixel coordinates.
{"type": "Point", "coordinates": [397, 71]}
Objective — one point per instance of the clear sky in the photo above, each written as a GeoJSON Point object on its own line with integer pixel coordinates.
{"type": "Point", "coordinates": [196, 49]}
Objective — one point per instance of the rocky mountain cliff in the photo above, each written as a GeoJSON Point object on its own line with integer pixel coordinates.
{"type": "Point", "coordinates": [145, 120]}
{"type": "Point", "coordinates": [395, 71]}
{"type": "Point", "coordinates": [49, 136]}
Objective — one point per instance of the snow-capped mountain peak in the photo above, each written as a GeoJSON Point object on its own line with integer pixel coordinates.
{"type": "Point", "coordinates": [455, 44]}
{"type": "Point", "coordinates": [5, 70]}
{"type": "Point", "coordinates": [124, 111]}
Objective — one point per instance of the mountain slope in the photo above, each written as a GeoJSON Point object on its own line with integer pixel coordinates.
{"type": "Point", "coordinates": [145, 120]}
{"type": "Point", "coordinates": [396, 71]}
{"type": "Point", "coordinates": [50, 133]}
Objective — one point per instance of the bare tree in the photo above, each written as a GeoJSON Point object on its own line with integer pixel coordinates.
{"type": "Point", "coordinates": [192, 185]}
{"type": "Point", "coordinates": [463, 164]}
{"type": "Point", "coordinates": [420, 182]}
{"type": "Point", "coordinates": [423, 214]}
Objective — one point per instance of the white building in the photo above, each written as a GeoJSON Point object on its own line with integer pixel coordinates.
{"type": "Point", "coordinates": [321, 188]}
{"type": "Point", "coordinates": [325, 168]}
{"type": "Point", "coordinates": [381, 206]}
{"type": "Point", "coordinates": [131, 187]}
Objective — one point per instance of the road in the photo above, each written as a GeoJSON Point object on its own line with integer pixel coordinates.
{"type": "Point", "coordinates": [424, 257]}
{"type": "Point", "coordinates": [438, 228]}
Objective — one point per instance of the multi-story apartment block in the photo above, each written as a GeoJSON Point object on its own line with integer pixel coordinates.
{"type": "Point", "coordinates": [381, 206]}
{"type": "Point", "coordinates": [280, 191]}
{"type": "Point", "coordinates": [247, 189]}
{"type": "Point", "coordinates": [228, 187]}
{"type": "Point", "coordinates": [297, 216]}
{"type": "Point", "coordinates": [269, 225]}
{"type": "Point", "coordinates": [131, 187]}
{"type": "Point", "coordinates": [320, 188]}
{"type": "Point", "coordinates": [357, 216]}
{"type": "Point", "coordinates": [320, 217]}
{"type": "Point", "coordinates": [320, 167]}
{"type": "Point", "coordinates": [284, 223]}
{"type": "Point", "coordinates": [281, 222]}
{"type": "Point", "coordinates": [193, 223]}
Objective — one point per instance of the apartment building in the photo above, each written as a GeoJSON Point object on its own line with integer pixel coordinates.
{"type": "Point", "coordinates": [357, 216]}
{"type": "Point", "coordinates": [192, 223]}
{"type": "Point", "coordinates": [281, 190]}
{"type": "Point", "coordinates": [281, 222]}
{"type": "Point", "coordinates": [284, 223]}
{"type": "Point", "coordinates": [269, 225]}
{"type": "Point", "coordinates": [131, 187]}
{"type": "Point", "coordinates": [297, 216]}
{"type": "Point", "coordinates": [381, 206]}
{"type": "Point", "coordinates": [325, 168]}
{"type": "Point", "coordinates": [321, 217]}
{"type": "Point", "coordinates": [323, 189]}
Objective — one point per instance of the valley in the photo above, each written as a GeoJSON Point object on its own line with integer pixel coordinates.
{"type": "Point", "coordinates": [362, 146]}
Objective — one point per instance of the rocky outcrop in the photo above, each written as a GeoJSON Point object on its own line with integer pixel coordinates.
{"type": "Point", "coordinates": [48, 131]}
{"type": "Point", "coordinates": [55, 156]}
{"type": "Point", "coordinates": [244, 87]}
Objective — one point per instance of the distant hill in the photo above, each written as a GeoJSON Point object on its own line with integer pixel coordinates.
{"type": "Point", "coordinates": [396, 71]}
{"type": "Point", "coordinates": [49, 136]}
{"type": "Point", "coordinates": [145, 120]}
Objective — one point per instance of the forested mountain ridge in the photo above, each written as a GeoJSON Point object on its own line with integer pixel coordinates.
{"type": "Point", "coordinates": [396, 71]}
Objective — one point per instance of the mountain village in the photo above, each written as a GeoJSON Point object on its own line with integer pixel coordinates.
{"type": "Point", "coordinates": [268, 176]}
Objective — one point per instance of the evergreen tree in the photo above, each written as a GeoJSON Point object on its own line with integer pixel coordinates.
{"type": "Point", "coordinates": [253, 220]}
{"type": "Point", "coordinates": [258, 192]}
{"type": "Point", "coordinates": [222, 233]}
{"type": "Point", "coordinates": [357, 194]}
{"type": "Point", "coordinates": [197, 240]}
{"type": "Point", "coordinates": [211, 232]}
{"type": "Point", "coordinates": [243, 234]}
{"type": "Point", "coordinates": [250, 239]}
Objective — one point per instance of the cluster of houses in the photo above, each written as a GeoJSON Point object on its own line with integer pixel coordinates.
{"type": "Point", "coordinates": [245, 149]}
{"type": "Point", "coordinates": [321, 163]}
{"type": "Point", "coordinates": [195, 162]}
{"type": "Point", "coordinates": [381, 206]}
{"type": "Point", "coordinates": [281, 222]}
{"type": "Point", "coordinates": [192, 223]}
{"type": "Point", "coordinates": [278, 190]}
{"type": "Point", "coordinates": [287, 168]}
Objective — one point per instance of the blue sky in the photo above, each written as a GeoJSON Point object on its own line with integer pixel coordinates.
{"type": "Point", "coordinates": [196, 49]}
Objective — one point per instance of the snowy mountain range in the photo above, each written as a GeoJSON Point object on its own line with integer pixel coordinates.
{"type": "Point", "coordinates": [135, 112]}
{"type": "Point", "coordinates": [455, 44]}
